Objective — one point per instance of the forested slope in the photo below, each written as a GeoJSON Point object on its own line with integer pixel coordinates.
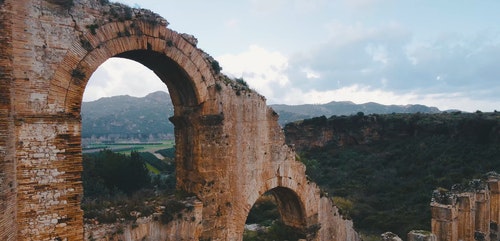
{"type": "Point", "coordinates": [382, 169]}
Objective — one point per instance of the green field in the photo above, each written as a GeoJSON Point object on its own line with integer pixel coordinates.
{"type": "Point", "coordinates": [127, 147]}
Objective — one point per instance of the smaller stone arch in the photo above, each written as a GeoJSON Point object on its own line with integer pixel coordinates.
{"type": "Point", "coordinates": [297, 202]}
{"type": "Point", "coordinates": [290, 207]}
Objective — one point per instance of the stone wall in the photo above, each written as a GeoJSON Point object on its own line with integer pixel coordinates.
{"type": "Point", "coordinates": [186, 226]}
{"type": "Point", "coordinates": [337, 228]}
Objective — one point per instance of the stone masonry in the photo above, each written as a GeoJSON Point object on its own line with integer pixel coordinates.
{"type": "Point", "coordinates": [230, 148]}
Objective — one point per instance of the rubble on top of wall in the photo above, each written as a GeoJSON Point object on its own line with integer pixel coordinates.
{"type": "Point", "coordinates": [448, 197]}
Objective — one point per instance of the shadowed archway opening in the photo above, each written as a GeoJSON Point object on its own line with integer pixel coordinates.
{"type": "Point", "coordinates": [169, 72]}
{"type": "Point", "coordinates": [276, 215]}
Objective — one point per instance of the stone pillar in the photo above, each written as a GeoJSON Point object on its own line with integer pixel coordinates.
{"type": "Point", "coordinates": [202, 156]}
{"type": "Point", "coordinates": [494, 187]}
{"type": "Point", "coordinates": [483, 215]}
{"type": "Point", "coordinates": [7, 139]}
{"type": "Point", "coordinates": [49, 165]}
{"type": "Point", "coordinates": [466, 204]}
{"type": "Point", "coordinates": [421, 235]}
{"type": "Point", "coordinates": [444, 221]}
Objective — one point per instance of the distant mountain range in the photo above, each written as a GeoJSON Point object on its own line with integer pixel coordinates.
{"type": "Point", "coordinates": [146, 118]}
{"type": "Point", "coordinates": [291, 113]}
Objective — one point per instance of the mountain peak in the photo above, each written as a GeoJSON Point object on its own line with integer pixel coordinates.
{"type": "Point", "coordinates": [158, 95]}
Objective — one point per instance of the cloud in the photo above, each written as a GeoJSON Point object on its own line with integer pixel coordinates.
{"type": "Point", "coordinates": [362, 94]}
{"type": "Point", "coordinates": [308, 6]}
{"type": "Point", "coordinates": [260, 68]}
{"type": "Point", "coordinates": [361, 4]}
{"type": "Point", "coordinates": [119, 76]}
{"type": "Point", "coordinates": [310, 74]}
{"type": "Point", "coordinates": [232, 23]}
{"type": "Point", "coordinates": [355, 93]}
{"type": "Point", "coordinates": [388, 63]}
{"type": "Point", "coordinates": [384, 65]}
{"type": "Point", "coordinates": [268, 7]}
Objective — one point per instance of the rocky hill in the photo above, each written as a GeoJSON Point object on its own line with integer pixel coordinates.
{"type": "Point", "coordinates": [126, 117]}
{"type": "Point", "coordinates": [382, 169]}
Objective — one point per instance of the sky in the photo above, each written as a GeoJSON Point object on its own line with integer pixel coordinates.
{"type": "Point", "coordinates": [444, 54]}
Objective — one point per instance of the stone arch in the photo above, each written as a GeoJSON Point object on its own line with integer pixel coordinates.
{"type": "Point", "coordinates": [290, 207]}
{"type": "Point", "coordinates": [296, 207]}
{"type": "Point", "coordinates": [185, 69]}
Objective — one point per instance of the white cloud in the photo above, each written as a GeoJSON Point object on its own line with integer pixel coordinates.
{"type": "Point", "coordinates": [308, 6]}
{"type": "Point", "coordinates": [119, 76]}
{"type": "Point", "coordinates": [362, 4]}
{"type": "Point", "coordinates": [267, 6]}
{"type": "Point", "coordinates": [360, 94]}
{"type": "Point", "coordinates": [311, 74]}
{"type": "Point", "coordinates": [232, 23]}
{"type": "Point", "coordinates": [378, 53]}
{"type": "Point", "coordinates": [355, 93]}
{"type": "Point", "coordinates": [259, 67]}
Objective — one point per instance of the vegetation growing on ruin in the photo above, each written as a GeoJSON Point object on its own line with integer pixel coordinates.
{"type": "Point", "coordinates": [385, 182]}
{"type": "Point", "coordinates": [215, 66]}
{"type": "Point", "coordinates": [78, 74]}
{"type": "Point", "coordinates": [93, 28]}
{"type": "Point", "coordinates": [67, 4]}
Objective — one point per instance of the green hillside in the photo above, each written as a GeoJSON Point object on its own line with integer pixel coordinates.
{"type": "Point", "coordinates": [127, 117]}
{"type": "Point", "coordinates": [382, 169]}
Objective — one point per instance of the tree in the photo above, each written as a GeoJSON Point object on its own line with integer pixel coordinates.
{"type": "Point", "coordinates": [107, 172]}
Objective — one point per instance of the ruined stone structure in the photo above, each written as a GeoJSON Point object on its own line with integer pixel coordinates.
{"type": "Point", "coordinates": [230, 148]}
{"type": "Point", "coordinates": [186, 227]}
{"type": "Point", "coordinates": [470, 213]}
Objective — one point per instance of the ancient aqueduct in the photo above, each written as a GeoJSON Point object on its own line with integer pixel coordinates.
{"type": "Point", "coordinates": [230, 148]}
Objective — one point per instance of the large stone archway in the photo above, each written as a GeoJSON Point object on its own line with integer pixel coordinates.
{"type": "Point", "coordinates": [230, 147]}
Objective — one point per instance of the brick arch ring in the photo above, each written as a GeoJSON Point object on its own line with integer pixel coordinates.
{"type": "Point", "coordinates": [186, 70]}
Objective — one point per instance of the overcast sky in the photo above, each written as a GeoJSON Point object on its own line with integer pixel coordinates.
{"type": "Point", "coordinates": [438, 53]}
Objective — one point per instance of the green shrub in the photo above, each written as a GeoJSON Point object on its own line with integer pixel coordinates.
{"type": "Point", "coordinates": [241, 81]}
{"type": "Point", "coordinates": [173, 209]}
{"type": "Point", "coordinates": [216, 67]}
